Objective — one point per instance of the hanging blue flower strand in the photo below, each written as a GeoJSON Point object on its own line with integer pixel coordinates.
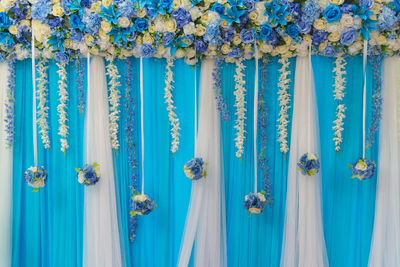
{"type": "Point", "coordinates": [9, 105]}
{"type": "Point", "coordinates": [129, 106]}
{"type": "Point", "coordinates": [376, 98]}
{"type": "Point", "coordinates": [262, 128]}
{"type": "Point", "coordinates": [79, 82]}
{"type": "Point", "coordinates": [216, 75]}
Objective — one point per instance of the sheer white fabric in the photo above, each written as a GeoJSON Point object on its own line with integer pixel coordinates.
{"type": "Point", "coordinates": [385, 246]}
{"type": "Point", "coordinates": [101, 245]}
{"type": "Point", "coordinates": [205, 221]}
{"type": "Point", "coordinates": [303, 239]}
{"type": "Point", "coordinates": [6, 165]}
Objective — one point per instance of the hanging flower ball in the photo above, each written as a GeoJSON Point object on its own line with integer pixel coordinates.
{"type": "Point", "coordinates": [36, 177]}
{"type": "Point", "coordinates": [254, 203]}
{"type": "Point", "coordinates": [308, 164]}
{"type": "Point", "coordinates": [142, 205]}
{"type": "Point", "coordinates": [195, 169]}
{"type": "Point", "coordinates": [363, 169]}
{"type": "Point", "coordinates": [89, 174]}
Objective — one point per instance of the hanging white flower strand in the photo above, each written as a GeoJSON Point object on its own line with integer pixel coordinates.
{"type": "Point", "coordinates": [42, 109]}
{"type": "Point", "coordinates": [240, 94]}
{"type": "Point", "coordinates": [115, 95]}
{"type": "Point", "coordinates": [173, 118]}
{"type": "Point", "coordinates": [340, 81]}
{"type": "Point", "coordinates": [284, 103]}
{"type": "Point", "coordinates": [62, 106]}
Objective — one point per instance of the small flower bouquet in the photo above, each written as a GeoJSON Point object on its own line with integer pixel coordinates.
{"type": "Point", "coordinates": [36, 177]}
{"type": "Point", "coordinates": [254, 203]}
{"type": "Point", "coordinates": [195, 169]}
{"type": "Point", "coordinates": [363, 169]}
{"type": "Point", "coordinates": [308, 164]}
{"type": "Point", "coordinates": [142, 205]}
{"type": "Point", "coordinates": [89, 174]}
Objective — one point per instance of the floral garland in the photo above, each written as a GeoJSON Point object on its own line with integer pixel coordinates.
{"type": "Point", "coordinates": [284, 103]}
{"type": "Point", "coordinates": [130, 106]}
{"type": "Point", "coordinates": [221, 104]}
{"type": "Point", "coordinates": [61, 108]}
{"type": "Point", "coordinates": [240, 94]}
{"type": "Point", "coordinates": [79, 82]}
{"type": "Point", "coordinates": [376, 98]}
{"type": "Point", "coordinates": [340, 82]}
{"type": "Point", "coordinates": [173, 118]}
{"type": "Point", "coordinates": [115, 95]}
{"type": "Point", "coordinates": [43, 109]}
{"type": "Point", "coordinates": [9, 104]}
{"type": "Point", "coordinates": [262, 125]}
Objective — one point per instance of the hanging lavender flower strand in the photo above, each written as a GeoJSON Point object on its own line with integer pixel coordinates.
{"type": "Point", "coordinates": [262, 128]}
{"type": "Point", "coordinates": [9, 105]}
{"type": "Point", "coordinates": [216, 75]}
{"type": "Point", "coordinates": [376, 98]}
{"type": "Point", "coordinates": [79, 82]}
{"type": "Point", "coordinates": [129, 106]}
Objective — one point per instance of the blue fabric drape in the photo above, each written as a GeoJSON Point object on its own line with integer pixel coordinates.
{"type": "Point", "coordinates": [47, 225]}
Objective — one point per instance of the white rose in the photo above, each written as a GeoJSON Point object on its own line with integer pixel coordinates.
{"type": "Point", "coordinates": [124, 22]}
{"type": "Point", "coordinates": [190, 52]}
{"type": "Point", "coordinates": [357, 22]}
{"type": "Point", "coordinates": [346, 20]}
{"type": "Point", "coordinates": [255, 210]}
{"type": "Point", "coordinates": [195, 13]}
{"type": "Point", "coordinates": [261, 197]}
{"type": "Point", "coordinates": [159, 23]}
{"type": "Point", "coordinates": [260, 7]}
{"type": "Point", "coordinates": [140, 198]}
{"type": "Point", "coordinates": [186, 3]}
{"type": "Point", "coordinates": [222, 2]}
{"type": "Point", "coordinates": [38, 183]}
{"type": "Point", "coordinates": [332, 27]}
{"type": "Point", "coordinates": [21, 52]}
{"type": "Point", "coordinates": [225, 48]}
{"type": "Point", "coordinates": [180, 53]}
{"type": "Point", "coordinates": [189, 28]}
{"type": "Point", "coordinates": [81, 177]}
{"type": "Point", "coordinates": [191, 61]}
{"type": "Point", "coordinates": [170, 25]}
{"type": "Point", "coordinates": [213, 16]}
{"type": "Point", "coordinates": [266, 48]}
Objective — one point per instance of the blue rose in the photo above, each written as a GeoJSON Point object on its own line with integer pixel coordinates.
{"type": "Point", "coordinates": [40, 10]}
{"type": "Point", "coordinates": [247, 36]}
{"type": "Point", "coordinates": [332, 13]}
{"type": "Point", "coordinates": [127, 8]}
{"type": "Point", "coordinates": [329, 51]}
{"type": "Point", "coordinates": [146, 50]}
{"type": "Point", "coordinates": [249, 4]}
{"type": "Point", "coordinates": [76, 22]}
{"type": "Point", "coordinates": [348, 36]}
{"type": "Point", "coordinates": [265, 31]}
{"type": "Point", "coordinates": [319, 37]}
{"type": "Point", "coordinates": [182, 17]}
{"type": "Point", "coordinates": [4, 21]}
{"type": "Point", "coordinates": [294, 9]}
{"type": "Point", "coordinates": [200, 46]}
{"type": "Point", "coordinates": [61, 57]}
{"type": "Point", "coordinates": [212, 35]}
{"type": "Point", "coordinates": [303, 26]}
{"type": "Point", "coordinates": [29, 176]}
{"type": "Point", "coordinates": [90, 176]}
{"type": "Point", "coordinates": [76, 36]}
{"type": "Point", "coordinates": [367, 3]}
{"type": "Point", "coordinates": [311, 9]}
{"type": "Point", "coordinates": [167, 38]}
{"type": "Point", "coordinates": [55, 22]}
{"type": "Point", "coordinates": [141, 24]}
{"type": "Point", "coordinates": [293, 31]}
{"type": "Point", "coordinates": [235, 53]}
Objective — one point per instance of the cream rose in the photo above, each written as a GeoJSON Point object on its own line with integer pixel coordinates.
{"type": "Point", "coordinates": [346, 20]}
{"type": "Point", "coordinates": [170, 25]}
{"type": "Point", "coordinates": [105, 26]}
{"type": "Point", "coordinates": [147, 38]}
{"type": "Point", "coordinates": [57, 11]}
{"type": "Point", "coordinates": [225, 48]}
{"type": "Point", "coordinates": [200, 30]}
{"type": "Point", "coordinates": [334, 36]}
{"type": "Point", "coordinates": [320, 24]}
{"type": "Point", "coordinates": [124, 22]}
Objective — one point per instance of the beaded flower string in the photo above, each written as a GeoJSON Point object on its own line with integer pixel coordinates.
{"type": "Point", "coordinates": [173, 118]}
{"type": "Point", "coordinates": [284, 103]}
{"type": "Point", "coordinates": [376, 98]}
{"type": "Point", "coordinates": [62, 106]}
{"type": "Point", "coordinates": [240, 102]}
{"type": "Point", "coordinates": [42, 108]}
{"type": "Point", "coordinates": [130, 107]}
{"type": "Point", "coordinates": [113, 98]}
{"type": "Point", "coordinates": [340, 83]}
{"type": "Point", "coordinates": [79, 82]}
{"type": "Point", "coordinates": [221, 104]}
{"type": "Point", "coordinates": [9, 104]}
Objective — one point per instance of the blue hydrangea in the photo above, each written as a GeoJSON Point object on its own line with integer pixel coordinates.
{"type": "Point", "coordinates": [20, 10]}
{"type": "Point", "coordinates": [387, 19]}
{"type": "Point", "coordinates": [142, 205]}
{"type": "Point", "coordinates": [127, 8]}
{"type": "Point", "coordinates": [255, 203]}
{"type": "Point", "coordinates": [319, 37]}
{"type": "Point", "coordinates": [40, 10]}
{"type": "Point", "coordinates": [92, 22]}
{"type": "Point", "coordinates": [308, 164]}
{"type": "Point", "coordinates": [311, 11]}
{"type": "Point", "coordinates": [227, 34]}
{"type": "Point", "coordinates": [89, 174]}
{"type": "Point", "coordinates": [181, 16]}
{"type": "Point", "coordinates": [167, 38]}
{"type": "Point", "coordinates": [363, 169]}
{"type": "Point", "coordinates": [212, 35]}
{"type": "Point", "coordinates": [195, 169]}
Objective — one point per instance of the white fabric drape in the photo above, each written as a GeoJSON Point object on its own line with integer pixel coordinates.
{"type": "Point", "coordinates": [101, 245]}
{"type": "Point", "coordinates": [6, 165]}
{"type": "Point", "coordinates": [205, 221]}
{"type": "Point", "coordinates": [385, 246]}
{"type": "Point", "coordinates": [303, 240]}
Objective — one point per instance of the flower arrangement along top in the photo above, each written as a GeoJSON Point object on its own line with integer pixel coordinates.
{"type": "Point", "coordinates": [192, 29]}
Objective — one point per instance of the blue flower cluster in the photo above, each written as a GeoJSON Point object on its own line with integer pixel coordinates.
{"type": "Point", "coordinates": [89, 174]}
{"type": "Point", "coordinates": [195, 169]}
{"type": "Point", "coordinates": [255, 203]}
{"type": "Point", "coordinates": [36, 177]}
{"type": "Point", "coordinates": [363, 169]}
{"type": "Point", "coordinates": [308, 164]}
{"type": "Point", "coordinates": [142, 205]}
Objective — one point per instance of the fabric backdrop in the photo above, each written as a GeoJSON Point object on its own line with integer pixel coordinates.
{"type": "Point", "coordinates": [47, 225]}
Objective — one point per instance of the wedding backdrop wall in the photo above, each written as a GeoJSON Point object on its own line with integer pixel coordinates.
{"type": "Point", "coordinates": [199, 133]}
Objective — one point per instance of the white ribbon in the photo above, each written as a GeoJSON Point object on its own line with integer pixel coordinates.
{"type": "Point", "coordinates": [365, 54]}
{"type": "Point", "coordinates": [309, 100]}
{"type": "Point", "coordinates": [255, 115]}
{"type": "Point", "coordinates": [195, 109]}
{"type": "Point", "coordinates": [141, 119]}
{"type": "Point", "coordinates": [34, 127]}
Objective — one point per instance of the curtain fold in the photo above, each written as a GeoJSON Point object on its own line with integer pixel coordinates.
{"type": "Point", "coordinates": [385, 245]}
{"type": "Point", "coordinates": [303, 237]}
{"type": "Point", "coordinates": [6, 178]}
{"type": "Point", "coordinates": [101, 242]}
